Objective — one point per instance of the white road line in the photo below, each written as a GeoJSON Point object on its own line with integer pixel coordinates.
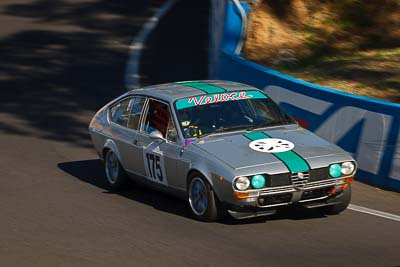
{"type": "Point", "coordinates": [132, 77]}
{"type": "Point", "coordinates": [375, 212]}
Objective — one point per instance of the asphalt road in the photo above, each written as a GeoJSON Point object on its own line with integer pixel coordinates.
{"type": "Point", "coordinates": [62, 60]}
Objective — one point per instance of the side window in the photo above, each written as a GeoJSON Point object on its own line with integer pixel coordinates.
{"type": "Point", "coordinates": [136, 105]}
{"type": "Point", "coordinates": [159, 118]}
{"type": "Point", "coordinates": [120, 112]}
{"type": "Point", "coordinates": [172, 134]}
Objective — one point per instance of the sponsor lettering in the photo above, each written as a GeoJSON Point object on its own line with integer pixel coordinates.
{"type": "Point", "coordinates": [216, 98]}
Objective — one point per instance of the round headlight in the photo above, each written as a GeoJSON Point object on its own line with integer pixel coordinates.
{"type": "Point", "coordinates": [242, 183]}
{"type": "Point", "coordinates": [348, 168]}
{"type": "Point", "coordinates": [335, 170]}
{"type": "Point", "coordinates": [258, 181]}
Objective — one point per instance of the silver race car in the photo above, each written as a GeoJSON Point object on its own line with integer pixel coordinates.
{"type": "Point", "coordinates": [222, 146]}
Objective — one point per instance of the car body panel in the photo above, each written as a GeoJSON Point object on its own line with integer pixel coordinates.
{"type": "Point", "coordinates": [219, 157]}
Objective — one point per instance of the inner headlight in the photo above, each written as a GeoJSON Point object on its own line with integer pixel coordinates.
{"type": "Point", "coordinates": [258, 181]}
{"type": "Point", "coordinates": [348, 167]}
{"type": "Point", "coordinates": [242, 183]}
{"type": "Point", "coordinates": [335, 170]}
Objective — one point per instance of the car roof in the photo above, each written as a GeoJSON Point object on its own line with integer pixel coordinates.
{"type": "Point", "coordinates": [173, 91]}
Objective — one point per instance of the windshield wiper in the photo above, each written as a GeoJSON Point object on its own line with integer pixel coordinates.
{"type": "Point", "coordinates": [245, 127]}
{"type": "Point", "coordinates": [228, 129]}
{"type": "Point", "coordinates": [263, 125]}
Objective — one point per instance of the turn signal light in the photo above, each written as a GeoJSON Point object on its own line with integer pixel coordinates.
{"type": "Point", "coordinates": [240, 195]}
{"type": "Point", "coordinates": [347, 181]}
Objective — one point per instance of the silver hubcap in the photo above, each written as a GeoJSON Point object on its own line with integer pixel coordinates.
{"type": "Point", "coordinates": [198, 196]}
{"type": "Point", "coordinates": [112, 167]}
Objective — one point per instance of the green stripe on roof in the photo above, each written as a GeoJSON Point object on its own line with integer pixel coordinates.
{"type": "Point", "coordinates": [207, 88]}
{"type": "Point", "coordinates": [291, 159]}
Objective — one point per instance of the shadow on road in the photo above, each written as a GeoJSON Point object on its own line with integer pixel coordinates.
{"type": "Point", "coordinates": [91, 172]}
{"type": "Point", "coordinates": [294, 213]}
{"type": "Point", "coordinates": [61, 61]}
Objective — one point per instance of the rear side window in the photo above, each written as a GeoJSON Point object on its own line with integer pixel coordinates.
{"type": "Point", "coordinates": [120, 112]}
{"type": "Point", "coordinates": [127, 112]}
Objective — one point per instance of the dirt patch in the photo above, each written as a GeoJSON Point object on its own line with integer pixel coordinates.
{"type": "Point", "coordinates": [349, 45]}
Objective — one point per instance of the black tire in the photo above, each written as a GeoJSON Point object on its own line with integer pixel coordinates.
{"type": "Point", "coordinates": [115, 174]}
{"type": "Point", "coordinates": [338, 208]}
{"type": "Point", "coordinates": [213, 210]}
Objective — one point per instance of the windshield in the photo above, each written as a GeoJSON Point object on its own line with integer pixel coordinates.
{"type": "Point", "coordinates": [246, 110]}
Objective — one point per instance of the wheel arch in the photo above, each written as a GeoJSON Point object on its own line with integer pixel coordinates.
{"type": "Point", "coordinates": [212, 170]}
{"type": "Point", "coordinates": [207, 176]}
{"type": "Point", "coordinates": [110, 145]}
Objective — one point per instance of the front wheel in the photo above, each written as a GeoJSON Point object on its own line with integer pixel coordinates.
{"type": "Point", "coordinates": [203, 202]}
{"type": "Point", "coordinates": [116, 177]}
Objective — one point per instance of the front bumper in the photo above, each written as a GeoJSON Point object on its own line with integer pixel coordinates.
{"type": "Point", "coordinates": [267, 200]}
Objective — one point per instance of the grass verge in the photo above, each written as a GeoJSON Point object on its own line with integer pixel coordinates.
{"type": "Point", "coordinates": [349, 45]}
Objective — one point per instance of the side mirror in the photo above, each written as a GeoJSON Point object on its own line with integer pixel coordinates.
{"type": "Point", "coordinates": [157, 135]}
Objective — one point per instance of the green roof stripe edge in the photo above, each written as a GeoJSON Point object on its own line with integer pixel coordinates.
{"type": "Point", "coordinates": [206, 88]}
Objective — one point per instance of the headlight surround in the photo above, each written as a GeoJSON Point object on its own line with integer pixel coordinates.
{"type": "Point", "coordinates": [258, 181]}
{"type": "Point", "coordinates": [242, 183]}
{"type": "Point", "coordinates": [335, 170]}
{"type": "Point", "coordinates": [348, 168]}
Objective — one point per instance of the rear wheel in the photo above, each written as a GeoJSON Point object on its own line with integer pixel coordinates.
{"type": "Point", "coordinates": [338, 208]}
{"type": "Point", "coordinates": [116, 177]}
{"type": "Point", "coordinates": [203, 202]}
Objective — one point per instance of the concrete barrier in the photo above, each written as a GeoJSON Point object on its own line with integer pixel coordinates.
{"type": "Point", "coordinates": [367, 128]}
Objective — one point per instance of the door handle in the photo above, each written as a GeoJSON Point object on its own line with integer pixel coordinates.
{"type": "Point", "coordinates": [135, 142]}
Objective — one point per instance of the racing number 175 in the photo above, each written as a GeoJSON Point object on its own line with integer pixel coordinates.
{"type": "Point", "coordinates": [153, 162]}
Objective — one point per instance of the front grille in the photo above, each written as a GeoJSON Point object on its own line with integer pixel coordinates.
{"type": "Point", "coordinates": [318, 174]}
{"type": "Point", "coordinates": [277, 190]}
{"type": "Point", "coordinates": [289, 179]}
{"type": "Point", "coordinates": [300, 179]}
{"type": "Point", "coordinates": [317, 184]}
{"type": "Point", "coordinates": [277, 180]}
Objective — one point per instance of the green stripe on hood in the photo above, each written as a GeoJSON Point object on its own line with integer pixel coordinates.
{"type": "Point", "coordinates": [207, 88]}
{"type": "Point", "coordinates": [291, 159]}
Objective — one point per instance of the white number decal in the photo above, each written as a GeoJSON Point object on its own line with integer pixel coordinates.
{"type": "Point", "coordinates": [154, 165]}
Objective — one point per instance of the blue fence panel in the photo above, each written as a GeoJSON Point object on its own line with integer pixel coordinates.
{"type": "Point", "coordinates": [367, 128]}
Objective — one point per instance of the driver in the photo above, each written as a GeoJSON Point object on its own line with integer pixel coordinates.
{"type": "Point", "coordinates": [187, 120]}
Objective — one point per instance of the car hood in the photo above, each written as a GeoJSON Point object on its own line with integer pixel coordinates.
{"type": "Point", "coordinates": [234, 150]}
